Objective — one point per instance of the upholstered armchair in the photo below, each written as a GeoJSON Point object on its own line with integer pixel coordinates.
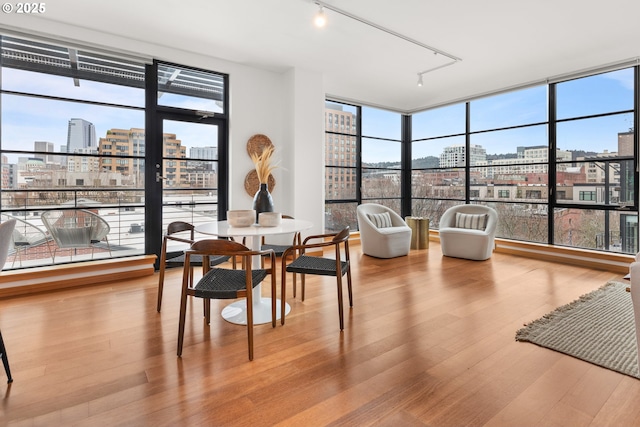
{"type": "Point", "coordinates": [383, 233]}
{"type": "Point", "coordinates": [634, 275]}
{"type": "Point", "coordinates": [468, 231]}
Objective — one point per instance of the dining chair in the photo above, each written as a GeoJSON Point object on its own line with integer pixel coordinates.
{"type": "Point", "coordinates": [305, 264]}
{"type": "Point", "coordinates": [279, 249]}
{"type": "Point", "coordinates": [6, 231]}
{"type": "Point", "coordinates": [177, 258]}
{"type": "Point", "coordinates": [225, 283]}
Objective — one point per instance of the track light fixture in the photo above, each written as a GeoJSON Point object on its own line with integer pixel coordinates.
{"type": "Point", "coordinates": [320, 20]}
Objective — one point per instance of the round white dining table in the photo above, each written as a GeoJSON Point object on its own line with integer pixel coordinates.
{"type": "Point", "coordinates": [236, 312]}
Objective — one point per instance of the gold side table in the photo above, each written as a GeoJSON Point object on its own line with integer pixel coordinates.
{"type": "Point", "coordinates": [419, 232]}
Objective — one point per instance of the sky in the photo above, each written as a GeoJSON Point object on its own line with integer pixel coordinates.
{"type": "Point", "coordinates": [29, 119]}
{"type": "Point", "coordinates": [610, 92]}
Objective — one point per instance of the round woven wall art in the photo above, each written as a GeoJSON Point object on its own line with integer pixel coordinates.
{"type": "Point", "coordinates": [257, 143]}
{"type": "Point", "coordinates": [252, 184]}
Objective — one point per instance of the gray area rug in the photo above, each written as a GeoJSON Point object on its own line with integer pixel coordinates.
{"type": "Point", "coordinates": [598, 327]}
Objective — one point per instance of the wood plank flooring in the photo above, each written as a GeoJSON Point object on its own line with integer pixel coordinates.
{"type": "Point", "coordinates": [429, 342]}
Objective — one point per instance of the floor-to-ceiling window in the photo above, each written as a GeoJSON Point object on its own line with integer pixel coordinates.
{"type": "Point", "coordinates": [509, 161]}
{"type": "Point", "coordinates": [362, 161]}
{"type": "Point", "coordinates": [595, 203]}
{"type": "Point", "coordinates": [438, 177]}
{"type": "Point", "coordinates": [342, 165]}
{"type": "Point", "coordinates": [74, 137]}
{"type": "Point", "coordinates": [557, 161]}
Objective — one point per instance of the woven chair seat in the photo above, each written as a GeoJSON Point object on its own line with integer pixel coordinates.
{"type": "Point", "coordinates": [277, 249]}
{"type": "Point", "coordinates": [221, 283]}
{"type": "Point", "coordinates": [315, 265]}
{"type": "Point", "coordinates": [196, 260]}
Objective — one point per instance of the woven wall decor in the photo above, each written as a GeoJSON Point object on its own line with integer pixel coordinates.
{"type": "Point", "coordinates": [257, 143]}
{"type": "Point", "coordinates": [252, 184]}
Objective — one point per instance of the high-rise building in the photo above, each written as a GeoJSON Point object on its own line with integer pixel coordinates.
{"type": "Point", "coordinates": [122, 142]}
{"type": "Point", "coordinates": [80, 134]}
{"type": "Point", "coordinates": [456, 156]}
{"type": "Point", "coordinates": [44, 147]}
{"type": "Point", "coordinates": [200, 154]}
{"type": "Point", "coordinates": [340, 152]}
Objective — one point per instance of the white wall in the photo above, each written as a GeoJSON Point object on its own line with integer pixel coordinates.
{"type": "Point", "coordinates": [288, 108]}
{"type": "Point", "coordinates": [304, 130]}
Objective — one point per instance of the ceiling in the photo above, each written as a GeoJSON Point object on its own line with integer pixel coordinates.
{"type": "Point", "coordinates": [501, 43]}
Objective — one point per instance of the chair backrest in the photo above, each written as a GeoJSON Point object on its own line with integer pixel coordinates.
{"type": "Point", "coordinates": [342, 236]}
{"type": "Point", "coordinates": [217, 247]}
{"type": "Point", "coordinates": [99, 227]}
{"type": "Point", "coordinates": [6, 231]}
{"type": "Point", "coordinates": [448, 219]}
{"type": "Point", "coordinates": [179, 226]}
{"type": "Point", "coordinates": [70, 229]}
{"type": "Point", "coordinates": [374, 208]}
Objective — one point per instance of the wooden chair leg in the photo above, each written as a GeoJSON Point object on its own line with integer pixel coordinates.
{"type": "Point", "coordinates": [273, 299]}
{"type": "Point", "coordinates": [5, 360]}
{"type": "Point", "coordinates": [207, 310]}
{"type": "Point", "coordinates": [340, 305]}
{"type": "Point", "coordinates": [183, 309]}
{"type": "Point", "coordinates": [349, 287]}
{"type": "Point", "coordinates": [283, 291]}
{"type": "Point", "coordinates": [250, 323]}
{"type": "Point", "coordinates": [163, 261]}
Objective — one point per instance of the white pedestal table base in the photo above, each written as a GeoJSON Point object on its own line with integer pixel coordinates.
{"type": "Point", "coordinates": [236, 312]}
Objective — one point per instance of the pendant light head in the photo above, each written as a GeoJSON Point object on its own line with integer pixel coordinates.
{"type": "Point", "coordinates": [419, 80]}
{"type": "Point", "coordinates": [320, 20]}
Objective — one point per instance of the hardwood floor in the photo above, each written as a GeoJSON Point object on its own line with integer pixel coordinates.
{"type": "Point", "coordinates": [429, 342]}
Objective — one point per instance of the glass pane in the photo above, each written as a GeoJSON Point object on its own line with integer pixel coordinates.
{"type": "Point", "coordinates": [603, 93]}
{"type": "Point", "coordinates": [64, 87]}
{"type": "Point", "coordinates": [340, 118]}
{"type": "Point", "coordinates": [73, 156]}
{"type": "Point", "coordinates": [339, 215]}
{"type": "Point", "coordinates": [432, 209]}
{"type": "Point", "coordinates": [521, 221]}
{"type": "Point", "coordinates": [50, 126]}
{"type": "Point", "coordinates": [191, 89]}
{"type": "Point", "coordinates": [595, 229]}
{"type": "Point", "coordinates": [183, 141]}
{"type": "Point", "coordinates": [439, 184]}
{"type": "Point", "coordinates": [449, 120]}
{"type": "Point", "coordinates": [340, 150]}
{"type": "Point", "coordinates": [380, 183]}
{"type": "Point", "coordinates": [520, 145]}
{"type": "Point", "coordinates": [515, 108]}
{"type": "Point", "coordinates": [381, 123]}
{"type": "Point", "coordinates": [510, 183]}
{"type": "Point", "coordinates": [603, 182]}
{"type": "Point", "coordinates": [340, 183]}
{"type": "Point", "coordinates": [394, 204]}
{"type": "Point", "coordinates": [380, 153]}
{"type": "Point", "coordinates": [190, 172]}
{"type": "Point", "coordinates": [428, 154]}
{"type": "Point", "coordinates": [589, 137]}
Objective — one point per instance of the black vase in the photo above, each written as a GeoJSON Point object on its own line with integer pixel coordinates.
{"type": "Point", "coordinates": [262, 201]}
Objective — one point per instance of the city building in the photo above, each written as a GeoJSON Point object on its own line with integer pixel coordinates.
{"type": "Point", "coordinates": [80, 134]}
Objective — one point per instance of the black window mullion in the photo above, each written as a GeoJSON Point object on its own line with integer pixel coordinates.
{"type": "Point", "coordinates": [552, 178]}
{"type": "Point", "coordinates": [467, 143]}
{"type": "Point", "coordinates": [405, 167]}
{"type": "Point", "coordinates": [359, 154]}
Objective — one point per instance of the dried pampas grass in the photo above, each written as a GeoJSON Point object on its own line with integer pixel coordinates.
{"type": "Point", "coordinates": [263, 164]}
